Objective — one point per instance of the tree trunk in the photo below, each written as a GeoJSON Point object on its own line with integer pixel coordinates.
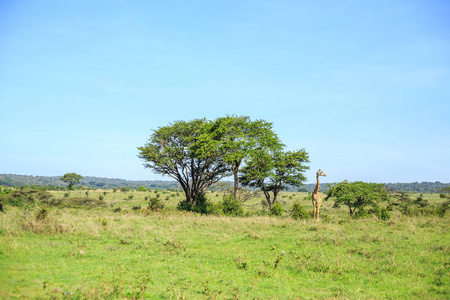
{"type": "Point", "coordinates": [235, 168]}
{"type": "Point", "coordinates": [236, 183]}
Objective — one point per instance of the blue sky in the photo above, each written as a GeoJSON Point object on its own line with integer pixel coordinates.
{"type": "Point", "coordinates": [363, 86]}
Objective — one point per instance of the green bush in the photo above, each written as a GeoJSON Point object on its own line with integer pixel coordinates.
{"type": "Point", "coordinates": [299, 212]}
{"type": "Point", "coordinates": [101, 198]}
{"type": "Point", "coordinates": [277, 209]}
{"type": "Point", "coordinates": [381, 213]}
{"type": "Point", "coordinates": [155, 204]}
{"type": "Point", "coordinates": [442, 196]}
{"type": "Point", "coordinates": [203, 205]}
{"type": "Point", "coordinates": [231, 206]}
{"type": "Point", "coordinates": [141, 189]}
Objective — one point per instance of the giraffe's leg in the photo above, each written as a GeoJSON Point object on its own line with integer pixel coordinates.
{"type": "Point", "coordinates": [318, 209]}
{"type": "Point", "coordinates": [314, 209]}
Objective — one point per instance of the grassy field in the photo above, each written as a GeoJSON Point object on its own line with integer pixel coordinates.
{"type": "Point", "coordinates": [134, 253]}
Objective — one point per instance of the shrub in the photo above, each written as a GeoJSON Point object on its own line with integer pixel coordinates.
{"type": "Point", "coordinates": [142, 189]}
{"type": "Point", "coordinates": [125, 189]}
{"type": "Point", "coordinates": [381, 213]}
{"type": "Point", "coordinates": [442, 196]}
{"type": "Point", "coordinates": [130, 197]}
{"type": "Point", "coordinates": [298, 211]}
{"type": "Point", "coordinates": [203, 205]}
{"type": "Point", "coordinates": [155, 204]}
{"type": "Point", "coordinates": [277, 209]}
{"type": "Point", "coordinates": [66, 195]}
{"type": "Point", "coordinates": [231, 206]}
{"type": "Point", "coordinates": [101, 198]}
{"type": "Point", "coordinates": [215, 208]}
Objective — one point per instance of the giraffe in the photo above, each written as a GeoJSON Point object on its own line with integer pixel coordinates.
{"type": "Point", "coordinates": [316, 197]}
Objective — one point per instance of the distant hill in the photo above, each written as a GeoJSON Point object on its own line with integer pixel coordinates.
{"type": "Point", "coordinates": [109, 183]}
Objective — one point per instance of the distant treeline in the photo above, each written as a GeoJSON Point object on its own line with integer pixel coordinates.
{"type": "Point", "coordinates": [110, 183]}
{"type": "Point", "coordinates": [87, 181]}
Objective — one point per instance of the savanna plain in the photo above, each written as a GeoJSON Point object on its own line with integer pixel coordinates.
{"type": "Point", "coordinates": [122, 249]}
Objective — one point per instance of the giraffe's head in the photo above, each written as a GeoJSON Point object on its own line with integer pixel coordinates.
{"type": "Point", "coordinates": [320, 173]}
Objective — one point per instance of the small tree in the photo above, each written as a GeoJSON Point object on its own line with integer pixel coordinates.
{"type": "Point", "coordinates": [273, 171]}
{"type": "Point", "coordinates": [357, 195]}
{"type": "Point", "coordinates": [71, 179]}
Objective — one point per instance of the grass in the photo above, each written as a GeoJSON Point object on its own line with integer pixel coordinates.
{"type": "Point", "coordinates": [97, 254]}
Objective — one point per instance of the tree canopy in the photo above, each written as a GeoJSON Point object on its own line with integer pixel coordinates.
{"type": "Point", "coordinates": [273, 171]}
{"type": "Point", "coordinates": [237, 138]}
{"type": "Point", "coordinates": [71, 179]}
{"type": "Point", "coordinates": [177, 151]}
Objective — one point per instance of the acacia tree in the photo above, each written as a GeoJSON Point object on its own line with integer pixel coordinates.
{"type": "Point", "coordinates": [236, 138]}
{"type": "Point", "coordinates": [274, 171]}
{"type": "Point", "coordinates": [357, 195]}
{"type": "Point", "coordinates": [175, 150]}
{"type": "Point", "coordinates": [71, 179]}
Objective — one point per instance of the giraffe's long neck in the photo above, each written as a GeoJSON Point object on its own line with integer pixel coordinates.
{"type": "Point", "coordinates": [316, 190]}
